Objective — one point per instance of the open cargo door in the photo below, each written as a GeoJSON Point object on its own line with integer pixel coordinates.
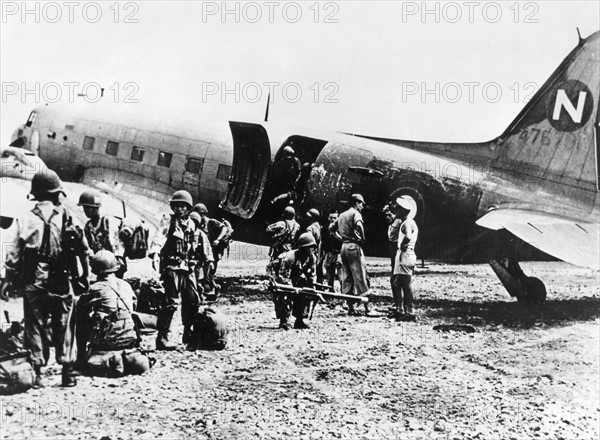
{"type": "Point", "coordinates": [251, 161]}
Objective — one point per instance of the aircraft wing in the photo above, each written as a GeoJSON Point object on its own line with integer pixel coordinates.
{"type": "Point", "coordinates": [576, 242]}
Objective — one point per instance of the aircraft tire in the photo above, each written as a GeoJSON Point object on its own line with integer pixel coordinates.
{"type": "Point", "coordinates": [536, 292]}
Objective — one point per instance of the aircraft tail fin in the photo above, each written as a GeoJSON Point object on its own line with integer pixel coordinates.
{"type": "Point", "coordinates": [556, 136]}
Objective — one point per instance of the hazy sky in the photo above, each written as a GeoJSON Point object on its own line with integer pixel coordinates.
{"type": "Point", "coordinates": [447, 71]}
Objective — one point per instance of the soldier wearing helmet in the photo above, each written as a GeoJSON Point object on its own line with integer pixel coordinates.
{"type": "Point", "coordinates": [178, 259]}
{"type": "Point", "coordinates": [45, 257]}
{"type": "Point", "coordinates": [331, 244]}
{"type": "Point", "coordinates": [286, 172]}
{"type": "Point", "coordinates": [314, 228]}
{"type": "Point", "coordinates": [216, 232]}
{"type": "Point", "coordinates": [349, 225]}
{"type": "Point", "coordinates": [205, 268]}
{"type": "Point", "coordinates": [101, 232]}
{"type": "Point", "coordinates": [283, 233]}
{"type": "Point", "coordinates": [296, 267]}
{"type": "Point", "coordinates": [104, 314]}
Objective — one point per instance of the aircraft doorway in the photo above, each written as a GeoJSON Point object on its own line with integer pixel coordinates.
{"type": "Point", "coordinates": [291, 170]}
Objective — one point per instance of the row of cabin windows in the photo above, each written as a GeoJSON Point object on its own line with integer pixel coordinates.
{"type": "Point", "coordinates": [192, 165]}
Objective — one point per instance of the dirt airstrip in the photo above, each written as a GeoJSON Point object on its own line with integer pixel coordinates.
{"type": "Point", "coordinates": [502, 371]}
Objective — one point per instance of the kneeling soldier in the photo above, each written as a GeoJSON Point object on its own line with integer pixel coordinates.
{"type": "Point", "coordinates": [104, 315]}
{"type": "Point", "coordinates": [296, 267]}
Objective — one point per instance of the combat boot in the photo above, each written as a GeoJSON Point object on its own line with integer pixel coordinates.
{"type": "Point", "coordinates": [163, 326]}
{"type": "Point", "coordinates": [69, 379]}
{"type": "Point", "coordinates": [38, 382]}
{"type": "Point", "coordinates": [300, 324]}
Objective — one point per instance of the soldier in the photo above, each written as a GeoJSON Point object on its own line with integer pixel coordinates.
{"type": "Point", "coordinates": [177, 268]}
{"type": "Point", "coordinates": [110, 299]}
{"type": "Point", "coordinates": [283, 233]}
{"type": "Point", "coordinates": [101, 232]}
{"type": "Point", "coordinates": [313, 227]}
{"type": "Point", "coordinates": [296, 267]}
{"type": "Point", "coordinates": [350, 227]}
{"type": "Point", "coordinates": [216, 232]}
{"type": "Point", "coordinates": [393, 232]}
{"type": "Point", "coordinates": [331, 244]}
{"type": "Point", "coordinates": [205, 268]}
{"type": "Point", "coordinates": [286, 173]}
{"type": "Point", "coordinates": [44, 259]}
{"type": "Point", "coordinates": [406, 259]}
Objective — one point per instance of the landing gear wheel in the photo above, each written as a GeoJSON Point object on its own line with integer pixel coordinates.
{"type": "Point", "coordinates": [536, 291]}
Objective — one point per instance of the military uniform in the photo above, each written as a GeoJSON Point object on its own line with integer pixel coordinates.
{"type": "Point", "coordinates": [283, 236]}
{"type": "Point", "coordinates": [330, 254]}
{"type": "Point", "coordinates": [354, 273]}
{"type": "Point", "coordinates": [37, 259]}
{"type": "Point", "coordinates": [289, 268]}
{"type": "Point", "coordinates": [104, 235]}
{"type": "Point", "coordinates": [178, 261]}
{"type": "Point", "coordinates": [112, 300]}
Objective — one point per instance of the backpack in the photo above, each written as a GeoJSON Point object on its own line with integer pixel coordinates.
{"type": "Point", "coordinates": [227, 238]}
{"type": "Point", "coordinates": [134, 238]}
{"type": "Point", "coordinates": [16, 373]}
{"type": "Point", "coordinates": [209, 331]}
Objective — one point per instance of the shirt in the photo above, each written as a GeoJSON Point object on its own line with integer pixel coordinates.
{"type": "Point", "coordinates": [289, 268]}
{"type": "Point", "coordinates": [350, 226]}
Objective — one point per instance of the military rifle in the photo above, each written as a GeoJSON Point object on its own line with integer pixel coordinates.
{"type": "Point", "coordinates": [316, 295]}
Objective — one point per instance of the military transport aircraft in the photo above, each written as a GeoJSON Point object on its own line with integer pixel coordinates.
{"type": "Point", "coordinates": [538, 180]}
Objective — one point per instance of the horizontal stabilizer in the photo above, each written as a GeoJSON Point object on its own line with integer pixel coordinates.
{"type": "Point", "coordinates": [572, 241]}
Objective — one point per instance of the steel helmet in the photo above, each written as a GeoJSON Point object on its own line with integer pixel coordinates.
{"type": "Point", "coordinates": [201, 208]}
{"type": "Point", "coordinates": [288, 151]}
{"type": "Point", "coordinates": [306, 240]}
{"type": "Point", "coordinates": [89, 198]}
{"type": "Point", "coordinates": [46, 182]}
{"type": "Point", "coordinates": [195, 216]}
{"type": "Point", "coordinates": [289, 212]}
{"type": "Point", "coordinates": [313, 213]}
{"type": "Point", "coordinates": [182, 196]}
{"type": "Point", "coordinates": [104, 262]}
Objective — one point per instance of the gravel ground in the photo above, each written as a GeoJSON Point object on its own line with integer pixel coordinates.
{"type": "Point", "coordinates": [503, 372]}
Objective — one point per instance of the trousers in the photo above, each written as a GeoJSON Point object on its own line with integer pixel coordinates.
{"type": "Point", "coordinates": [41, 307]}
{"type": "Point", "coordinates": [181, 283]}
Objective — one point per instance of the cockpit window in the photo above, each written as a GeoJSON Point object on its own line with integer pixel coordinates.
{"type": "Point", "coordinates": [30, 119]}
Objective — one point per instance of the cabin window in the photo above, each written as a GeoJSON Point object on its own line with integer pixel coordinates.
{"type": "Point", "coordinates": [88, 143]}
{"type": "Point", "coordinates": [194, 165]}
{"type": "Point", "coordinates": [137, 154]}
{"type": "Point", "coordinates": [164, 159]}
{"type": "Point", "coordinates": [112, 148]}
{"type": "Point", "coordinates": [69, 127]}
{"type": "Point", "coordinates": [223, 172]}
